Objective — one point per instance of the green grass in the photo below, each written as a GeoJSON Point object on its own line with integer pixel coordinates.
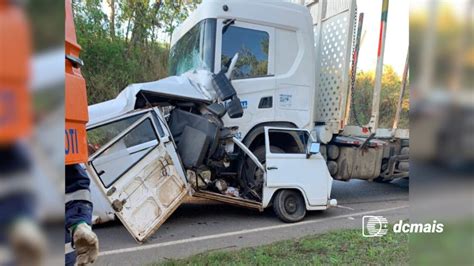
{"type": "Point", "coordinates": [453, 247]}
{"type": "Point", "coordinates": [339, 247]}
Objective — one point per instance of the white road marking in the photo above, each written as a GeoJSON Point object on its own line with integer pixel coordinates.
{"type": "Point", "coordinates": [345, 207]}
{"type": "Point", "coordinates": [195, 239]}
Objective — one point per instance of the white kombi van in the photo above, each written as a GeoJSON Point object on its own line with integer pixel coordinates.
{"type": "Point", "coordinates": [144, 163]}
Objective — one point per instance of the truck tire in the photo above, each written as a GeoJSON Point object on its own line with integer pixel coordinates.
{"type": "Point", "coordinates": [405, 151]}
{"type": "Point", "coordinates": [289, 206]}
{"type": "Point", "coordinates": [332, 168]}
{"type": "Point", "coordinates": [251, 168]}
{"type": "Point", "coordinates": [323, 150]}
{"type": "Point", "coordinates": [404, 166]}
{"type": "Point", "coordinates": [332, 152]}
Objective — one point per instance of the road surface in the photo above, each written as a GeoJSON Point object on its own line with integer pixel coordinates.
{"type": "Point", "coordinates": [205, 225]}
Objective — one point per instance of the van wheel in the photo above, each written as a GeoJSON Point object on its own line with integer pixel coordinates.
{"type": "Point", "coordinates": [289, 206]}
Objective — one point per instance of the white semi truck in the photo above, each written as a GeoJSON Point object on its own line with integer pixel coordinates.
{"type": "Point", "coordinates": [294, 70]}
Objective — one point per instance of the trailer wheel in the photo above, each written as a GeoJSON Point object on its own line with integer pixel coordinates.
{"type": "Point", "coordinates": [289, 206]}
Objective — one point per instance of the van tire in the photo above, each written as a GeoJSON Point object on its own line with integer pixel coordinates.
{"type": "Point", "coordinates": [289, 206]}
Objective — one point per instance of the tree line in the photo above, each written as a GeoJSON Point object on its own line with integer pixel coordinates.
{"type": "Point", "coordinates": [389, 96]}
{"type": "Point", "coordinates": [125, 41]}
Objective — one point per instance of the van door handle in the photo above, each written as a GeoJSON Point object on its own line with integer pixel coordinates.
{"type": "Point", "coordinates": [272, 168]}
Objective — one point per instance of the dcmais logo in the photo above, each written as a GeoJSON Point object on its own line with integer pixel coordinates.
{"type": "Point", "coordinates": [377, 226]}
{"type": "Point", "coordinates": [433, 227]}
{"type": "Point", "coordinates": [373, 226]}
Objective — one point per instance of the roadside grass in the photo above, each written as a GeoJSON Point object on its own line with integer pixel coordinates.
{"type": "Point", "coordinates": [337, 247]}
{"type": "Point", "coordinates": [454, 246]}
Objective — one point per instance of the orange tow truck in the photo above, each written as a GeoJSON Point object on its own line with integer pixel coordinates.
{"type": "Point", "coordinates": [75, 97]}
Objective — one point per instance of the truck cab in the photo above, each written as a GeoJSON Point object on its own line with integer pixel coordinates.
{"type": "Point", "coordinates": [275, 74]}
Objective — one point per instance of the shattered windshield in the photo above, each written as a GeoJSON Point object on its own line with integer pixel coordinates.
{"type": "Point", "coordinates": [195, 50]}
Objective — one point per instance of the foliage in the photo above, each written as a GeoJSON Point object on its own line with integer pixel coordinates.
{"type": "Point", "coordinates": [362, 101]}
{"type": "Point", "coordinates": [454, 246]}
{"type": "Point", "coordinates": [174, 13]}
{"type": "Point", "coordinates": [47, 24]}
{"type": "Point", "coordinates": [453, 46]}
{"type": "Point", "coordinates": [120, 44]}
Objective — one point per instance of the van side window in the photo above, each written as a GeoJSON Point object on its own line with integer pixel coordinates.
{"type": "Point", "coordinates": [294, 141]}
{"type": "Point", "coordinates": [252, 46]}
{"type": "Point", "coordinates": [101, 135]}
{"type": "Point", "coordinates": [125, 152]}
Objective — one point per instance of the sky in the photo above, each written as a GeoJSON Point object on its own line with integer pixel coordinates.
{"type": "Point", "coordinates": [396, 46]}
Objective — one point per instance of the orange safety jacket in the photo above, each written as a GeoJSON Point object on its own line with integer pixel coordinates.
{"type": "Point", "coordinates": [76, 114]}
{"type": "Point", "coordinates": [15, 53]}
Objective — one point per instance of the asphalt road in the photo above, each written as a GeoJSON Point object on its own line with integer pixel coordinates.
{"type": "Point", "coordinates": [205, 225]}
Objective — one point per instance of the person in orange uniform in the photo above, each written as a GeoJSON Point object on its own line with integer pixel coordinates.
{"type": "Point", "coordinates": [82, 244]}
{"type": "Point", "coordinates": [20, 234]}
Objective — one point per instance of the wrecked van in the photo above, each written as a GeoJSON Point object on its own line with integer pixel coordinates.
{"type": "Point", "coordinates": [160, 141]}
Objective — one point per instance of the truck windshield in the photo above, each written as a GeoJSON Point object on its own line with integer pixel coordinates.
{"type": "Point", "coordinates": [195, 49]}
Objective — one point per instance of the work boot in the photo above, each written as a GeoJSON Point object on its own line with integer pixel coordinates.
{"type": "Point", "coordinates": [86, 244]}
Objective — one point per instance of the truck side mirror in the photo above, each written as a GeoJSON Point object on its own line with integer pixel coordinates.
{"type": "Point", "coordinates": [312, 149]}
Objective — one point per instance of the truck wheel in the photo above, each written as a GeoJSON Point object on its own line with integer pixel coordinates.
{"type": "Point", "coordinates": [255, 177]}
{"type": "Point", "coordinates": [289, 206]}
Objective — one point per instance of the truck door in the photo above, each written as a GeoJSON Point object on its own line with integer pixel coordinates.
{"type": "Point", "coordinates": [288, 166]}
{"type": "Point", "coordinates": [254, 74]}
{"type": "Point", "coordinates": [136, 173]}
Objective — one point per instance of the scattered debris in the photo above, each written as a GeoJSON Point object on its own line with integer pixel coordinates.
{"type": "Point", "coordinates": [221, 185]}
{"type": "Point", "coordinates": [232, 191]}
{"type": "Point", "coordinates": [197, 181]}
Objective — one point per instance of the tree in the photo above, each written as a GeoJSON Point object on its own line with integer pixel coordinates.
{"type": "Point", "coordinates": [112, 18]}
{"type": "Point", "coordinates": [119, 45]}
{"type": "Point", "coordinates": [362, 101]}
{"type": "Point", "coordinates": [174, 13]}
{"type": "Point", "coordinates": [453, 46]}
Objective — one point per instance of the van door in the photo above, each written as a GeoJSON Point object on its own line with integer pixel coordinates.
{"type": "Point", "coordinates": [289, 167]}
{"type": "Point", "coordinates": [136, 173]}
